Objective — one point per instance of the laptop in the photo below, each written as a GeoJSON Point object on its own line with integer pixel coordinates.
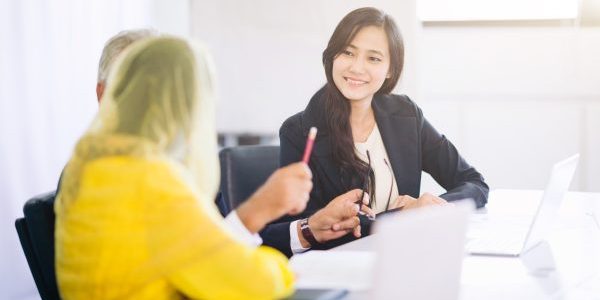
{"type": "Point", "coordinates": [409, 253]}
{"type": "Point", "coordinates": [512, 236]}
{"type": "Point", "coordinates": [420, 252]}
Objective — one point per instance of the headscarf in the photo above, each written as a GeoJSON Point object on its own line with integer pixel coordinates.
{"type": "Point", "coordinates": [159, 101]}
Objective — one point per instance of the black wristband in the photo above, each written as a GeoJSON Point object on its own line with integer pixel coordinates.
{"type": "Point", "coordinates": [307, 233]}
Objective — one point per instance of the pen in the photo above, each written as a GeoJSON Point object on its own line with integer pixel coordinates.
{"type": "Point", "coordinates": [312, 134]}
{"type": "Point", "coordinates": [359, 202]}
{"type": "Point", "coordinates": [372, 218]}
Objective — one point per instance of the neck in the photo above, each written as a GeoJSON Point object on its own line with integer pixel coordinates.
{"type": "Point", "coordinates": [362, 119]}
{"type": "Point", "coordinates": [361, 112]}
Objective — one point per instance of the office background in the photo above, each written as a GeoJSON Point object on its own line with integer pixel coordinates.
{"type": "Point", "coordinates": [513, 95]}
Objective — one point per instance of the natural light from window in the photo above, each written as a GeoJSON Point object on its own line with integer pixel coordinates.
{"type": "Point", "coordinates": [496, 10]}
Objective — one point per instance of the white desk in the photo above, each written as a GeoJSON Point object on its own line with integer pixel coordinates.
{"type": "Point", "coordinates": [566, 267]}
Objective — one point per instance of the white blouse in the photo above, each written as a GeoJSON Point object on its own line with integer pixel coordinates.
{"type": "Point", "coordinates": [380, 163]}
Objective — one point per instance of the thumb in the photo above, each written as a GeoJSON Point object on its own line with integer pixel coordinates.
{"type": "Point", "coordinates": [353, 196]}
{"type": "Point", "coordinates": [365, 199]}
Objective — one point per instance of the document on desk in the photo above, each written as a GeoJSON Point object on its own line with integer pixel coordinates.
{"type": "Point", "coordinates": [351, 270]}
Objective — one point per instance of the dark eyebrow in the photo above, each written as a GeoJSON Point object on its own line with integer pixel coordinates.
{"type": "Point", "coordinates": [377, 52]}
{"type": "Point", "coordinates": [371, 51]}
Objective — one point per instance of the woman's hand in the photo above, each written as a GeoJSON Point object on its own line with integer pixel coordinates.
{"type": "Point", "coordinates": [286, 191]}
{"type": "Point", "coordinates": [338, 218]}
{"type": "Point", "coordinates": [408, 202]}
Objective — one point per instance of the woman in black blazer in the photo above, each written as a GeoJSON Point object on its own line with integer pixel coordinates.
{"type": "Point", "coordinates": [369, 139]}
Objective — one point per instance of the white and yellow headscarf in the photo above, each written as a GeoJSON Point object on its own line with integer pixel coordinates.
{"type": "Point", "coordinates": [160, 100]}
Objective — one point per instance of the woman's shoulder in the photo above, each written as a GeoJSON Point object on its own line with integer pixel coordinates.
{"type": "Point", "coordinates": [138, 170]}
{"type": "Point", "coordinates": [397, 104]}
{"type": "Point", "coordinates": [293, 124]}
{"type": "Point", "coordinates": [131, 164]}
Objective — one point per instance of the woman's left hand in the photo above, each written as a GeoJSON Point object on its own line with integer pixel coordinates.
{"type": "Point", "coordinates": [408, 202]}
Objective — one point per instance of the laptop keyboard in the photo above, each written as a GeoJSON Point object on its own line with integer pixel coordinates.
{"type": "Point", "coordinates": [511, 245]}
{"type": "Point", "coordinates": [501, 234]}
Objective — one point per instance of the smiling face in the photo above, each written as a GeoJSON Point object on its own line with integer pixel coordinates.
{"type": "Point", "coordinates": [361, 68]}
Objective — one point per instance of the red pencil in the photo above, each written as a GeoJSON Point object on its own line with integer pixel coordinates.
{"type": "Point", "coordinates": [312, 134]}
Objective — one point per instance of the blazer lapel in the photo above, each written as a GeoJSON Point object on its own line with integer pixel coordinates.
{"type": "Point", "coordinates": [399, 134]}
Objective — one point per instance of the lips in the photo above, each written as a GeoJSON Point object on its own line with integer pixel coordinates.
{"type": "Point", "coordinates": [354, 81]}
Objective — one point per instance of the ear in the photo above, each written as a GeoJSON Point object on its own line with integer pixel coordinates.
{"type": "Point", "coordinates": [388, 76]}
{"type": "Point", "coordinates": [99, 91]}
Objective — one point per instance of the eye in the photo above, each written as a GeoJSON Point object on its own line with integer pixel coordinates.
{"type": "Point", "coordinates": [375, 59]}
{"type": "Point", "coordinates": [347, 52]}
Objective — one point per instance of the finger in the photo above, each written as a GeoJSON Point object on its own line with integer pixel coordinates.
{"type": "Point", "coordinates": [300, 203]}
{"type": "Point", "coordinates": [432, 199]}
{"type": "Point", "coordinates": [306, 170]}
{"type": "Point", "coordinates": [367, 210]}
{"type": "Point", "coordinates": [342, 211]}
{"type": "Point", "coordinates": [349, 210]}
{"type": "Point", "coordinates": [401, 201]}
{"type": "Point", "coordinates": [347, 224]}
{"type": "Point", "coordinates": [298, 209]}
{"type": "Point", "coordinates": [307, 185]}
{"type": "Point", "coordinates": [300, 169]}
{"type": "Point", "coordinates": [351, 196]}
{"type": "Point", "coordinates": [337, 234]}
{"type": "Point", "coordinates": [357, 231]}
{"type": "Point", "coordinates": [366, 198]}
{"type": "Point", "coordinates": [441, 200]}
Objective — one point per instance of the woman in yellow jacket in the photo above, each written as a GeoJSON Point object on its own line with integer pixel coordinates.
{"type": "Point", "coordinates": [135, 217]}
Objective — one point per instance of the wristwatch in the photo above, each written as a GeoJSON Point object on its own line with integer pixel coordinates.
{"type": "Point", "coordinates": [307, 233]}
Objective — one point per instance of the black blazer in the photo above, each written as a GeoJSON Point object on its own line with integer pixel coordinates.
{"type": "Point", "coordinates": [412, 144]}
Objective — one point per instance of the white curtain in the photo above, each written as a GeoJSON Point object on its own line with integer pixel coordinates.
{"type": "Point", "coordinates": [48, 61]}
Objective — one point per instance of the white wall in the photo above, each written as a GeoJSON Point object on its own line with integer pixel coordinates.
{"type": "Point", "coordinates": [516, 98]}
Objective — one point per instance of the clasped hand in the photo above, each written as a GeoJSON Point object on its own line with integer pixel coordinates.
{"type": "Point", "coordinates": [339, 217]}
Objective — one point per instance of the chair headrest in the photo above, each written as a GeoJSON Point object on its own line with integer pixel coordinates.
{"type": "Point", "coordinates": [244, 169]}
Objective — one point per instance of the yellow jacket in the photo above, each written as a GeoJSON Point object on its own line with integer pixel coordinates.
{"type": "Point", "coordinates": [136, 230]}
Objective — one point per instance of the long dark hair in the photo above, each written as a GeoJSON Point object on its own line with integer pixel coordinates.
{"type": "Point", "coordinates": [337, 107]}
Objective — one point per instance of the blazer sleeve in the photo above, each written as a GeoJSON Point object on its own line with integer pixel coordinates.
{"type": "Point", "coordinates": [443, 162]}
{"type": "Point", "coordinates": [277, 233]}
{"type": "Point", "coordinates": [199, 255]}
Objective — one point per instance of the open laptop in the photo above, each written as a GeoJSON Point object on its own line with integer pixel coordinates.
{"type": "Point", "coordinates": [409, 253]}
{"type": "Point", "coordinates": [420, 252]}
{"type": "Point", "coordinates": [509, 236]}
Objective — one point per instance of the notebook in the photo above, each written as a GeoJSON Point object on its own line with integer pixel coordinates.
{"type": "Point", "coordinates": [510, 235]}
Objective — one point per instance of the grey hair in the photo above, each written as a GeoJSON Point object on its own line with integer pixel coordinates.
{"type": "Point", "coordinates": [115, 45]}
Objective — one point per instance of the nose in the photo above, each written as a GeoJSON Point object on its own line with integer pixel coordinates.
{"type": "Point", "coordinates": [357, 66]}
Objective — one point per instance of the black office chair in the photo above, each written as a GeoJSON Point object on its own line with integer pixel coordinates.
{"type": "Point", "coordinates": [243, 170]}
{"type": "Point", "coordinates": [36, 233]}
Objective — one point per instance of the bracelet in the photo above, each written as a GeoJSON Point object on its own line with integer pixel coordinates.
{"type": "Point", "coordinates": [307, 233]}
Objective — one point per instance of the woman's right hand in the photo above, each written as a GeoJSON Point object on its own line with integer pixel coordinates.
{"type": "Point", "coordinates": [286, 191]}
{"type": "Point", "coordinates": [338, 218]}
